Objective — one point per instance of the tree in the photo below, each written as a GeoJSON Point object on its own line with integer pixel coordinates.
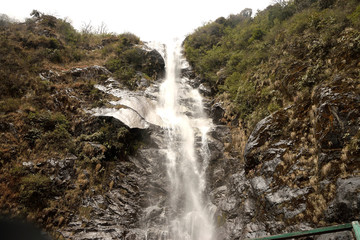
{"type": "Point", "coordinates": [246, 13]}
{"type": "Point", "coordinates": [280, 2]}
{"type": "Point", "coordinates": [86, 28]}
{"type": "Point", "coordinates": [102, 29]}
{"type": "Point", "coordinates": [4, 20]}
{"type": "Point", "coordinates": [36, 14]}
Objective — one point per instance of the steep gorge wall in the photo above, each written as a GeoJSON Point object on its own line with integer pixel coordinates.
{"type": "Point", "coordinates": [300, 170]}
{"type": "Point", "coordinates": [290, 167]}
{"type": "Point", "coordinates": [291, 159]}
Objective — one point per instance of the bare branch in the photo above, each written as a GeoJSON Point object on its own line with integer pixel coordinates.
{"type": "Point", "coordinates": [102, 29]}
{"type": "Point", "coordinates": [86, 28]}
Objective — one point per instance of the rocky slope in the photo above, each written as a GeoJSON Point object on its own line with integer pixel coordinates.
{"type": "Point", "coordinates": [284, 146]}
{"type": "Point", "coordinates": [61, 167]}
{"type": "Point", "coordinates": [291, 181]}
{"type": "Point", "coordinates": [291, 161]}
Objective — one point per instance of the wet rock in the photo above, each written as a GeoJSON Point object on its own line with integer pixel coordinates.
{"type": "Point", "coordinates": [253, 230]}
{"type": "Point", "coordinates": [28, 165]}
{"type": "Point", "coordinates": [216, 147]}
{"type": "Point", "coordinates": [337, 117]}
{"type": "Point", "coordinates": [205, 89]}
{"type": "Point", "coordinates": [61, 171]}
{"type": "Point", "coordinates": [195, 82]}
{"type": "Point", "coordinates": [48, 75]}
{"type": "Point", "coordinates": [345, 235]}
{"type": "Point", "coordinates": [217, 113]}
{"type": "Point", "coordinates": [346, 205]}
{"type": "Point", "coordinates": [88, 72]}
{"type": "Point", "coordinates": [259, 184]}
{"type": "Point", "coordinates": [284, 195]}
{"type": "Point", "coordinates": [152, 63]}
{"type": "Point", "coordinates": [267, 130]}
{"type": "Point", "coordinates": [114, 214]}
{"type": "Point", "coordinates": [143, 82]}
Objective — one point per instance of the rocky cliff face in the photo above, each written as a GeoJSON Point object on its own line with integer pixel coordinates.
{"type": "Point", "coordinates": [301, 167]}
{"type": "Point", "coordinates": [81, 176]}
{"type": "Point", "coordinates": [289, 99]}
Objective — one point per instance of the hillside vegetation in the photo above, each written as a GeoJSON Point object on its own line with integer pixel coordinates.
{"type": "Point", "coordinates": [53, 153]}
{"type": "Point", "coordinates": [288, 81]}
{"type": "Point", "coordinates": [261, 64]}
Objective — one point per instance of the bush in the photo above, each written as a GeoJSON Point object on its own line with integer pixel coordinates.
{"type": "Point", "coordinates": [35, 189]}
{"type": "Point", "coordinates": [47, 120]}
{"type": "Point", "coordinates": [58, 139]}
{"type": "Point", "coordinates": [10, 105]}
{"type": "Point", "coordinates": [354, 17]}
{"type": "Point", "coordinates": [68, 32]}
{"type": "Point", "coordinates": [126, 41]}
{"type": "Point", "coordinates": [257, 35]}
{"type": "Point", "coordinates": [325, 3]}
{"type": "Point", "coordinates": [5, 21]}
{"type": "Point", "coordinates": [32, 135]}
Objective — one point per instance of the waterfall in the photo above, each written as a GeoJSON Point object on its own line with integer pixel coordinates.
{"type": "Point", "coordinates": [175, 206]}
{"type": "Point", "coordinates": [186, 126]}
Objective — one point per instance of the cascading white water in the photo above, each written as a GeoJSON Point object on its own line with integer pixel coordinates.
{"type": "Point", "coordinates": [179, 210]}
{"type": "Point", "coordinates": [188, 217]}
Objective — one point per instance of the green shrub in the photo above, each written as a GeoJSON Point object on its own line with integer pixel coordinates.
{"type": "Point", "coordinates": [55, 55]}
{"type": "Point", "coordinates": [127, 41]}
{"type": "Point", "coordinates": [68, 32]}
{"type": "Point", "coordinates": [35, 189]}
{"type": "Point", "coordinates": [133, 57]}
{"type": "Point", "coordinates": [118, 141]}
{"type": "Point", "coordinates": [273, 107]}
{"type": "Point", "coordinates": [280, 12]}
{"type": "Point", "coordinates": [47, 120]}
{"type": "Point", "coordinates": [354, 17]}
{"type": "Point", "coordinates": [10, 105]}
{"type": "Point", "coordinates": [59, 138]}
{"type": "Point", "coordinates": [32, 135]}
{"type": "Point", "coordinates": [325, 3]}
{"type": "Point", "coordinates": [257, 35]}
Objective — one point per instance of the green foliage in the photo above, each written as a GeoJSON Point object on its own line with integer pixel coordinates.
{"type": "Point", "coordinates": [114, 139]}
{"type": "Point", "coordinates": [49, 131]}
{"type": "Point", "coordinates": [127, 41]}
{"type": "Point", "coordinates": [119, 142]}
{"type": "Point", "coordinates": [273, 107]}
{"type": "Point", "coordinates": [325, 3]}
{"type": "Point", "coordinates": [355, 17]}
{"type": "Point", "coordinates": [58, 139]}
{"type": "Point", "coordinates": [242, 92]}
{"type": "Point", "coordinates": [47, 120]}
{"type": "Point", "coordinates": [129, 60]}
{"type": "Point", "coordinates": [35, 189]}
{"type": "Point", "coordinates": [282, 34]}
{"type": "Point", "coordinates": [32, 135]}
{"type": "Point", "coordinates": [257, 35]}
{"type": "Point", "coordinates": [9, 105]}
{"type": "Point", "coordinates": [122, 71]}
{"type": "Point", "coordinates": [280, 13]}
{"type": "Point", "coordinates": [68, 32]}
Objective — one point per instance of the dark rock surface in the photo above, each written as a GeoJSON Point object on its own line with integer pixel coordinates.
{"type": "Point", "coordinates": [153, 64]}
{"type": "Point", "coordinates": [298, 172]}
{"type": "Point", "coordinates": [346, 205]}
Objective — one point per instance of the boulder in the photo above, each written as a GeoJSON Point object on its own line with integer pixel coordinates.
{"type": "Point", "coordinates": [217, 113]}
{"type": "Point", "coordinates": [346, 205]}
{"type": "Point", "coordinates": [268, 130]}
{"type": "Point", "coordinates": [153, 64]}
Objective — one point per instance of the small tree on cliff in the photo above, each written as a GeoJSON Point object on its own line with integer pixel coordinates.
{"type": "Point", "coordinates": [36, 14]}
